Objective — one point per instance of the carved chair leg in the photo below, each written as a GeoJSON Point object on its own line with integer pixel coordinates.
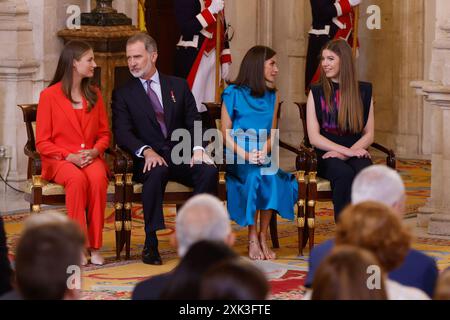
{"type": "Point", "coordinates": [300, 211]}
{"type": "Point", "coordinates": [274, 230]}
{"type": "Point", "coordinates": [300, 228]}
{"type": "Point", "coordinates": [127, 230]}
{"type": "Point", "coordinates": [311, 227]}
{"type": "Point", "coordinates": [119, 227]}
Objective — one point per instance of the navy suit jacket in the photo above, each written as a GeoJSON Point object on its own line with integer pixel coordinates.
{"type": "Point", "coordinates": [151, 289]}
{"type": "Point", "coordinates": [418, 270]}
{"type": "Point", "coordinates": [5, 268]}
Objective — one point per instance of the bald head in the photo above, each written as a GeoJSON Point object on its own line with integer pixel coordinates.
{"type": "Point", "coordinates": [381, 184]}
{"type": "Point", "coordinates": [203, 217]}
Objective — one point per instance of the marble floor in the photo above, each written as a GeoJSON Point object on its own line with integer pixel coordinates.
{"type": "Point", "coordinates": [12, 201]}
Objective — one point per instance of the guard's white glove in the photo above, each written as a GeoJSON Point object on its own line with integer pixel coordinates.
{"type": "Point", "coordinates": [216, 6]}
{"type": "Point", "coordinates": [354, 3]}
{"type": "Point", "coordinates": [226, 71]}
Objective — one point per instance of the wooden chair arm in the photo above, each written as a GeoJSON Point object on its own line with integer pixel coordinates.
{"type": "Point", "coordinates": [34, 159]}
{"type": "Point", "coordinates": [119, 161]}
{"type": "Point", "coordinates": [128, 158]}
{"type": "Point", "coordinates": [390, 155]}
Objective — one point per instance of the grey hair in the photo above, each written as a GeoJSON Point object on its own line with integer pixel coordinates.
{"type": "Point", "coordinates": [378, 183]}
{"type": "Point", "coordinates": [203, 217]}
{"type": "Point", "coordinates": [148, 41]}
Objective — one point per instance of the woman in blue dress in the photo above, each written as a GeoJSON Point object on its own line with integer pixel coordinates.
{"type": "Point", "coordinates": [249, 123]}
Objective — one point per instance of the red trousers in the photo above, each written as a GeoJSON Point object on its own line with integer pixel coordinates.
{"type": "Point", "coordinates": [86, 197]}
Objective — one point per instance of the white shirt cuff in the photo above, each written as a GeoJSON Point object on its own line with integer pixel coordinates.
{"type": "Point", "coordinates": [139, 152]}
{"type": "Point", "coordinates": [198, 148]}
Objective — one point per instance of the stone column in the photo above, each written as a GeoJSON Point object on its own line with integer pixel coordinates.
{"type": "Point", "coordinates": [17, 68]}
{"type": "Point", "coordinates": [390, 58]}
{"type": "Point", "coordinates": [436, 92]}
{"type": "Point", "coordinates": [289, 31]}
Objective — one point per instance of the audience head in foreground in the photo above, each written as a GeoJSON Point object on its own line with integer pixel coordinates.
{"type": "Point", "coordinates": [185, 281]}
{"type": "Point", "coordinates": [344, 275]}
{"type": "Point", "coordinates": [235, 279]}
{"type": "Point", "coordinates": [381, 184]}
{"type": "Point", "coordinates": [443, 286]}
{"type": "Point", "coordinates": [203, 217]}
{"type": "Point", "coordinates": [47, 255]}
{"type": "Point", "coordinates": [377, 228]}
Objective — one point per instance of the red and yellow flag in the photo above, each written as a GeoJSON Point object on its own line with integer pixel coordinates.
{"type": "Point", "coordinates": [141, 15]}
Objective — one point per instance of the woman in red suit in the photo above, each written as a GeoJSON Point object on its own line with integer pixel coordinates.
{"type": "Point", "coordinates": [72, 134]}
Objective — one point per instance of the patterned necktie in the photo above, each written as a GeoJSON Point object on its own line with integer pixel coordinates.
{"type": "Point", "coordinates": [157, 107]}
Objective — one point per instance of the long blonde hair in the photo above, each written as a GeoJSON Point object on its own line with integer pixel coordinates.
{"type": "Point", "coordinates": [350, 118]}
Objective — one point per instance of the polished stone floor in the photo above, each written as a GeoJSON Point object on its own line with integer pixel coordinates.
{"type": "Point", "coordinates": [11, 201]}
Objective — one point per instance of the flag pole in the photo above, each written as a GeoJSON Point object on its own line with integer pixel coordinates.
{"type": "Point", "coordinates": [355, 30]}
{"type": "Point", "coordinates": [218, 51]}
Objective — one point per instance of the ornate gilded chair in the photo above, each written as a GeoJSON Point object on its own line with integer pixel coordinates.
{"type": "Point", "coordinates": [41, 192]}
{"type": "Point", "coordinates": [176, 193]}
{"type": "Point", "coordinates": [298, 169]}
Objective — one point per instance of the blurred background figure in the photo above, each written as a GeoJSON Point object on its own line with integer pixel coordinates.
{"type": "Point", "coordinates": [443, 286]}
{"type": "Point", "coordinates": [48, 261]}
{"type": "Point", "coordinates": [384, 185]}
{"type": "Point", "coordinates": [332, 20]}
{"type": "Point", "coordinates": [5, 267]}
{"type": "Point", "coordinates": [185, 280]}
{"type": "Point", "coordinates": [195, 58]}
{"type": "Point", "coordinates": [344, 274]}
{"type": "Point", "coordinates": [376, 228]}
{"type": "Point", "coordinates": [203, 217]}
{"type": "Point", "coordinates": [234, 279]}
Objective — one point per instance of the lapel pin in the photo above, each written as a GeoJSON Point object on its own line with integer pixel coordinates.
{"type": "Point", "coordinates": [172, 95]}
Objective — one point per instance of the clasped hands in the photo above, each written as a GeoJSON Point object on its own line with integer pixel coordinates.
{"type": "Point", "coordinates": [153, 159]}
{"type": "Point", "coordinates": [83, 158]}
{"type": "Point", "coordinates": [352, 152]}
{"type": "Point", "coordinates": [257, 157]}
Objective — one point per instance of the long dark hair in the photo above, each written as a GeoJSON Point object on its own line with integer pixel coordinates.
{"type": "Point", "coordinates": [74, 50]}
{"type": "Point", "coordinates": [251, 71]}
{"type": "Point", "coordinates": [350, 118]}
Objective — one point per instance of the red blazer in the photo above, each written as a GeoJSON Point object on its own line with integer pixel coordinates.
{"type": "Point", "coordinates": [58, 131]}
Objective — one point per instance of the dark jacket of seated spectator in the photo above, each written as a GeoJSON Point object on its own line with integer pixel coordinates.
{"type": "Point", "coordinates": [183, 283]}
{"type": "Point", "coordinates": [418, 270]}
{"type": "Point", "coordinates": [234, 279]}
{"type": "Point", "coordinates": [5, 267]}
{"type": "Point", "coordinates": [203, 217]}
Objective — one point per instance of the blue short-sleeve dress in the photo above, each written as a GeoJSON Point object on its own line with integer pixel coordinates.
{"type": "Point", "coordinates": [252, 187]}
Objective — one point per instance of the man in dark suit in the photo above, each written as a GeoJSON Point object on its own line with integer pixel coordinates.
{"type": "Point", "coordinates": [382, 184]}
{"type": "Point", "coordinates": [146, 111]}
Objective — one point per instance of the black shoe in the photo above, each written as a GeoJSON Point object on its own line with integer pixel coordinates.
{"type": "Point", "coordinates": [151, 256]}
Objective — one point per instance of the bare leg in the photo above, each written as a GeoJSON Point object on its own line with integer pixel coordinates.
{"type": "Point", "coordinates": [265, 221]}
{"type": "Point", "coordinates": [254, 248]}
